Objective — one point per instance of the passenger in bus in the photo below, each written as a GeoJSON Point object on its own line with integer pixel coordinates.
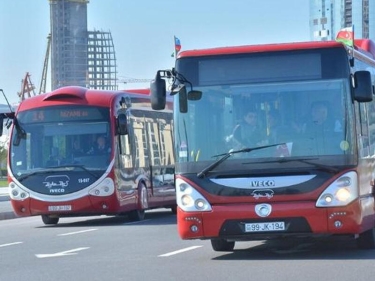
{"type": "Point", "coordinates": [101, 146]}
{"type": "Point", "coordinates": [77, 151]}
{"type": "Point", "coordinates": [321, 133]}
{"type": "Point", "coordinates": [248, 133]}
{"type": "Point", "coordinates": [321, 120]}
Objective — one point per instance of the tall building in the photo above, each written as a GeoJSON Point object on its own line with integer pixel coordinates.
{"type": "Point", "coordinates": [101, 71]}
{"type": "Point", "coordinates": [79, 57]}
{"type": "Point", "coordinates": [327, 17]}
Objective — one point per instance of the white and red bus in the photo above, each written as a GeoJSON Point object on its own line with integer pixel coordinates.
{"type": "Point", "coordinates": [55, 170]}
{"type": "Point", "coordinates": [304, 178]}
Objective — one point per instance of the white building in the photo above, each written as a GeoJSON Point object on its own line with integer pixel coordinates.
{"type": "Point", "coordinates": [327, 17]}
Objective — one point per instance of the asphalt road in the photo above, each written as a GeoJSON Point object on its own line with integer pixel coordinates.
{"type": "Point", "coordinates": [113, 248]}
{"type": "Point", "coordinates": [110, 248]}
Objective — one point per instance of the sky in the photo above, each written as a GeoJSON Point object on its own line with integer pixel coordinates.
{"type": "Point", "coordinates": [143, 32]}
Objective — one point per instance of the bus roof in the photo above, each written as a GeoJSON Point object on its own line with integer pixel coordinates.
{"type": "Point", "coordinates": [365, 44]}
{"type": "Point", "coordinates": [138, 91]}
{"type": "Point", "coordinates": [73, 94]}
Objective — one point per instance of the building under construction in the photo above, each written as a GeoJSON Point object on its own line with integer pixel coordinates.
{"type": "Point", "coordinates": [79, 57]}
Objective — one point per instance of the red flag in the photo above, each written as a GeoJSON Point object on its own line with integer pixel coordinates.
{"type": "Point", "coordinates": [177, 44]}
{"type": "Point", "coordinates": [346, 36]}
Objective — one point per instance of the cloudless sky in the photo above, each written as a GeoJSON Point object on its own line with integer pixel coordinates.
{"type": "Point", "coordinates": [143, 32]}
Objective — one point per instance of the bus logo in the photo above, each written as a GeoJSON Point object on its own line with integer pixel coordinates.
{"type": "Point", "coordinates": [263, 210]}
{"type": "Point", "coordinates": [258, 193]}
{"type": "Point", "coordinates": [56, 184]}
{"type": "Point", "coordinates": [262, 183]}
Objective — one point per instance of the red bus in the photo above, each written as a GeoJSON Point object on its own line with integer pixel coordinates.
{"type": "Point", "coordinates": [78, 152]}
{"type": "Point", "coordinates": [303, 163]}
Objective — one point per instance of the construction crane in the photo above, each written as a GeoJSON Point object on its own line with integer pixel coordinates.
{"type": "Point", "coordinates": [27, 88]}
{"type": "Point", "coordinates": [43, 82]}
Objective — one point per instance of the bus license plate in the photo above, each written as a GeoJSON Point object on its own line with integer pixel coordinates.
{"type": "Point", "coordinates": [60, 208]}
{"type": "Point", "coordinates": [265, 226]}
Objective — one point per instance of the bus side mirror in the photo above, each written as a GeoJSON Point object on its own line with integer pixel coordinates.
{"type": "Point", "coordinates": [362, 86]}
{"type": "Point", "coordinates": [194, 95]}
{"type": "Point", "coordinates": [122, 124]}
{"type": "Point", "coordinates": [158, 93]}
{"type": "Point", "coordinates": [182, 98]}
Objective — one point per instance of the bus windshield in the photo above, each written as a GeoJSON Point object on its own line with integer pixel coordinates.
{"type": "Point", "coordinates": [307, 119]}
{"type": "Point", "coordinates": [75, 137]}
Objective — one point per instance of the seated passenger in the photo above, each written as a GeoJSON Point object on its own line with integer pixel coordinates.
{"type": "Point", "coordinates": [100, 147]}
{"type": "Point", "coordinates": [321, 121]}
{"type": "Point", "coordinates": [248, 132]}
{"type": "Point", "coordinates": [77, 151]}
{"type": "Point", "coordinates": [322, 133]}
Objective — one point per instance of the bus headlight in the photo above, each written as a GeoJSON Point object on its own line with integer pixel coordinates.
{"type": "Point", "coordinates": [186, 200]}
{"type": "Point", "coordinates": [189, 199]}
{"type": "Point", "coordinates": [341, 192]}
{"type": "Point", "coordinates": [328, 198]}
{"type": "Point", "coordinates": [17, 193]}
{"type": "Point", "coordinates": [201, 204]}
{"type": "Point", "coordinates": [105, 188]}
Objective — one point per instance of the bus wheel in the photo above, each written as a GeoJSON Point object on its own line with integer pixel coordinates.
{"type": "Point", "coordinates": [136, 215]}
{"type": "Point", "coordinates": [221, 245]}
{"type": "Point", "coordinates": [139, 214]}
{"type": "Point", "coordinates": [366, 240]}
{"type": "Point", "coordinates": [49, 220]}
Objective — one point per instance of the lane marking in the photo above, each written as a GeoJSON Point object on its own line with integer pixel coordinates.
{"type": "Point", "coordinates": [180, 251]}
{"type": "Point", "coordinates": [77, 232]}
{"type": "Point", "coordinates": [60, 254]}
{"type": "Point", "coordinates": [10, 244]}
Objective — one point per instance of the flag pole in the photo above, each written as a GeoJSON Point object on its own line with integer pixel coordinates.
{"type": "Point", "coordinates": [175, 50]}
{"type": "Point", "coordinates": [353, 36]}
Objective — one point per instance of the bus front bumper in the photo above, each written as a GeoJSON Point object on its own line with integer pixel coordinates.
{"type": "Point", "coordinates": [88, 205]}
{"type": "Point", "coordinates": [241, 222]}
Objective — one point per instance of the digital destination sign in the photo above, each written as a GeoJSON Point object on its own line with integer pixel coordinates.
{"type": "Point", "coordinates": [65, 113]}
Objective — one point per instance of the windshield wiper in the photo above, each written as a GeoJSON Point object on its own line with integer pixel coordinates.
{"type": "Point", "coordinates": [209, 168]}
{"type": "Point", "coordinates": [326, 168]}
{"type": "Point", "coordinates": [47, 171]}
{"type": "Point", "coordinates": [56, 169]}
{"type": "Point", "coordinates": [78, 166]}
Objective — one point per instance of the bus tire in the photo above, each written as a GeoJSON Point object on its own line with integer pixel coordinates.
{"type": "Point", "coordinates": [136, 215]}
{"type": "Point", "coordinates": [47, 220]}
{"type": "Point", "coordinates": [366, 240]}
{"type": "Point", "coordinates": [142, 205]}
{"type": "Point", "coordinates": [222, 245]}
